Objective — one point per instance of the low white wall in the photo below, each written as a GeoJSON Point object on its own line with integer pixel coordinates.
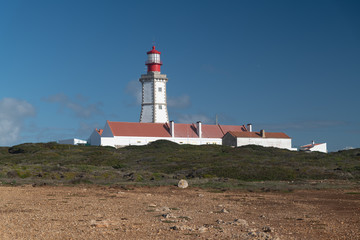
{"type": "Point", "coordinates": [266, 142]}
{"type": "Point", "coordinates": [319, 148]}
{"type": "Point", "coordinates": [126, 141]}
{"type": "Point", "coordinates": [72, 141]}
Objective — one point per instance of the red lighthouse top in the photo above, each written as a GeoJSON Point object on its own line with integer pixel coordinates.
{"type": "Point", "coordinates": [153, 63]}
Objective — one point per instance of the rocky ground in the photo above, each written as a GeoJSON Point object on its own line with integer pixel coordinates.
{"type": "Point", "coordinates": [94, 212]}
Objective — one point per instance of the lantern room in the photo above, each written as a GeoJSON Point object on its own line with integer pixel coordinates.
{"type": "Point", "coordinates": [153, 63]}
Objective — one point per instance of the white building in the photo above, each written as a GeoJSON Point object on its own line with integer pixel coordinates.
{"type": "Point", "coordinates": [73, 141]}
{"type": "Point", "coordinates": [120, 134]}
{"type": "Point", "coordinates": [314, 147]}
{"type": "Point", "coordinates": [269, 139]}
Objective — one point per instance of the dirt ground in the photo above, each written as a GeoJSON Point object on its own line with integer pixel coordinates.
{"type": "Point", "coordinates": [94, 212]}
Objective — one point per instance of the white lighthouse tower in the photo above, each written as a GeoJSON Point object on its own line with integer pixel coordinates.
{"type": "Point", "coordinates": [153, 106]}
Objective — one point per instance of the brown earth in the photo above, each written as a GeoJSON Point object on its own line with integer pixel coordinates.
{"type": "Point", "coordinates": [94, 212]}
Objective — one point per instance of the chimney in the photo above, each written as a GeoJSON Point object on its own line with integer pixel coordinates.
{"type": "Point", "coordinates": [313, 142]}
{"type": "Point", "coordinates": [249, 127]}
{"type": "Point", "coordinates": [172, 128]}
{"type": "Point", "coordinates": [199, 130]}
{"type": "Point", "coordinates": [262, 133]}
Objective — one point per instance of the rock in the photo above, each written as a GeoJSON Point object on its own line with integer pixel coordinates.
{"type": "Point", "coordinates": [182, 228]}
{"type": "Point", "coordinates": [165, 209]}
{"type": "Point", "coordinates": [203, 229]}
{"type": "Point", "coordinates": [152, 205]}
{"type": "Point", "coordinates": [241, 222]}
{"type": "Point", "coordinates": [266, 229]}
{"type": "Point", "coordinates": [168, 215]}
{"type": "Point", "coordinates": [183, 184]}
{"type": "Point", "coordinates": [258, 235]}
{"type": "Point", "coordinates": [219, 221]}
{"type": "Point", "coordinates": [99, 224]}
{"type": "Point", "coordinates": [224, 211]}
{"type": "Point", "coordinates": [174, 228]}
{"type": "Point", "coordinates": [264, 236]}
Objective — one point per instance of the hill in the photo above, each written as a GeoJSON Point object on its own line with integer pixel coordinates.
{"type": "Point", "coordinates": [163, 163]}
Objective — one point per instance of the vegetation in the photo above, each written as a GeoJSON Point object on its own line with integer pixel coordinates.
{"type": "Point", "coordinates": [164, 162]}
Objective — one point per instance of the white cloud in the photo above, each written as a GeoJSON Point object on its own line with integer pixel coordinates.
{"type": "Point", "coordinates": [12, 114]}
{"type": "Point", "coordinates": [192, 118]}
{"type": "Point", "coordinates": [78, 107]}
{"type": "Point", "coordinates": [179, 102]}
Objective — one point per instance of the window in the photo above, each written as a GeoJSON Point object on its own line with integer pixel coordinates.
{"type": "Point", "coordinates": [160, 106]}
{"type": "Point", "coordinates": [160, 89]}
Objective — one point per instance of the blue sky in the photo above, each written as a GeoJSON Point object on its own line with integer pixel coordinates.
{"type": "Point", "coordinates": [285, 66]}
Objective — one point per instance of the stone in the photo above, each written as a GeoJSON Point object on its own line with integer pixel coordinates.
{"type": "Point", "coordinates": [219, 221]}
{"type": "Point", "coordinates": [266, 229]}
{"type": "Point", "coordinates": [241, 222]}
{"type": "Point", "coordinates": [99, 224]}
{"type": "Point", "coordinates": [258, 235]}
{"type": "Point", "coordinates": [165, 209]}
{"type": "Point", "coordinates": [182, 228]}
{"type": "Point", "coordinates": [183, 184]}
{"type": "Point", "coordinates": [174, 228]}
{"type": "Point", "coordinates": [168, 215]}
{"type": "Point", "coordinates": [202, 229]}
{"type": "Point", "coordinates": [224, 211]}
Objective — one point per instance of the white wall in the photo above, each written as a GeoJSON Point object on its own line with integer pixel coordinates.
{"type": "Point", "coordinates": [285, 143]}
{"type": "Point", "coordinates": [126, 141]}
{"type": "Point", "coordinates": [319, 148]}
{"type": "Point", "coordinates": [266, 142]}
{"type": "Point", "coordinates": [73, 141]}
{"type": "Point", "coordinates": [160, 96]}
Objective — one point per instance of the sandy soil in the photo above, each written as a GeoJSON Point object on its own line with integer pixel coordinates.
{"type": "Point", "coordinates": [93, 212]}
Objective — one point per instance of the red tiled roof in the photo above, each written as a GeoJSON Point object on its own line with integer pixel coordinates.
{"type": "Point", "coordinates": [181, 130]}
{"type": "Point", "coordinates": [211, 131]}
{"type": "Point", "coordinates": [257, 134]}
{"type": "Point", "coordinates": [131, 129]}
{"type": "Point", "coordinates": [230, 128]}
{"type": "Point", "coordinates": [185, 130]}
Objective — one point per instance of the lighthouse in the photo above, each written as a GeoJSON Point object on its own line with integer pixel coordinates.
{"type": "Point", "coordinates": [153, 106]}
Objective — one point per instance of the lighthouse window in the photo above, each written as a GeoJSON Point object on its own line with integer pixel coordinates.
{"type": "Point", "coordinates": [160, 89]}
{"type": "Point", "coordinates": [160, 106]}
